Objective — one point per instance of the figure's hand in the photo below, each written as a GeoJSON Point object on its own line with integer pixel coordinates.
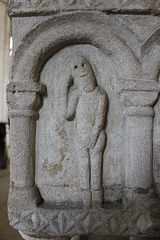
{"type": "Point", "coordinates": [85, 142]}
{"type": "Point", "coordinates": [93, 139]}
{"type": "Point", "coordinates": [80, 142]}
{"type": "Point", "coordinates": [93, 143]}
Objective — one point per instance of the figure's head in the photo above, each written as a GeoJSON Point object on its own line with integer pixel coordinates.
{"type": "Point", "coordinates": [82, 73]}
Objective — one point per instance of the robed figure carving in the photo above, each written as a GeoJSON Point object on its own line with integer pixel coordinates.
{"type": "Point", "coordinates": [86, 104]}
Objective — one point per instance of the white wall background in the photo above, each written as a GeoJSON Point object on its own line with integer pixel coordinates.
{"type": "Point", "coordinates": [5, 33]}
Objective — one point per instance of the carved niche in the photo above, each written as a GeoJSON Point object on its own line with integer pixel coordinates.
{"type": "Point", "coordinates": [84, 103]}
{"type": "Point", "coordinates": [81, 101]}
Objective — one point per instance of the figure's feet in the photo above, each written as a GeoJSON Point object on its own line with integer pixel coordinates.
{"type": "Point", "coordinates": [97, 198]}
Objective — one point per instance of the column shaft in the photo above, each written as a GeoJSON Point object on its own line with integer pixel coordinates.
{"type": "Point", "coordinates": [138, 152]}
{"type": "Point", "coordinates": [24, 101]}
{"type": "Point", "coordinates": [22, 138]}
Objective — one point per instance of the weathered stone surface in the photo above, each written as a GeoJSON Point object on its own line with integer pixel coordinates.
{"type": "Point", "coordinates": [46, 222]}
{"type": "Point", "coordinates": [27, 7]}
{"type": "Point", "coordinates": [84, 113]}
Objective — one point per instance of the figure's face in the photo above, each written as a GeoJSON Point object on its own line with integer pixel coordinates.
{"type": "Point", "coordinates": [80, 67]}
{"type": "Point", "coordinates": [82, 72]}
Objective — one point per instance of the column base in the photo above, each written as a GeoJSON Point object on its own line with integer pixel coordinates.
{"type": "Point", "coordinates": [25, 197]}
{"type": "Point", "coordinates": [97, 199]}
{"type": "Point", "coordinates": [139, 198]}
{"type": "Point", "coordinates": [86, 198]}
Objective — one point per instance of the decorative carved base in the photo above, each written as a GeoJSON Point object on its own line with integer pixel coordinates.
{"type": "Point", "coordinates": [100, 222]}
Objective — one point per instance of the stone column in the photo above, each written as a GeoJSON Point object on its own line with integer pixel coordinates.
{"type": "Point", "coordinates": [138, 101]}
{"type": "Point", "coordinates": [23, 100]}
{"type": "Point", "coordinates": [5, 34]}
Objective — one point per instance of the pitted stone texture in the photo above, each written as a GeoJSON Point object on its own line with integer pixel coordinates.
{"type": "Point", "coordinates": [137, 46]}
{"type": "Point", "coordinates": [42, 7]}
{"type": "Point", "coordinates": [68, 223]}
{"type": "Point", "coordinates": [61, 169]}
{"type": "Point", "coordinates": [87, 106]}
{"type": "Point", "coordinates": [124, 53]}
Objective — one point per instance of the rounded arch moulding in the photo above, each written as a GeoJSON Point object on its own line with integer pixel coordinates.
{"type": "Point", "coordinates": [50, 35]}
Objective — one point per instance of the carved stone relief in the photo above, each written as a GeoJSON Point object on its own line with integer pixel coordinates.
{"type": "Point", "coordinates": [88, 105]}
{"type": "Point", "coordinates": [18, 7]}
{"type": "Point", "coordinates": [82, 94]}
{"type": "Point", "coordinates": [60, 132]}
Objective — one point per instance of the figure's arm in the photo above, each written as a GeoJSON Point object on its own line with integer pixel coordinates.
{"type": "Point", "coordinates": [68, 107]}
{"type": "Point", "coordinates": [100, 117]}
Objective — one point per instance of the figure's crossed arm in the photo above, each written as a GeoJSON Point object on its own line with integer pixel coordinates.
{"type": "Point", "coordinates": [69, 105]}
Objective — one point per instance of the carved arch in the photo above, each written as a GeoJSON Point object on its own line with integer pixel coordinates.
{"type": "Point", "coordinates": [53, 34]}
{"type": "Point", "coordinates": [151, 55]}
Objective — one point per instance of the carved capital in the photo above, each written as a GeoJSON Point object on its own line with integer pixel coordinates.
{"type": "Point", "coordinates": [139, 97]}
{"type": "Point", "coordinates": [139, 111]}
{"type": "Point", "coordinates": [24, 99]}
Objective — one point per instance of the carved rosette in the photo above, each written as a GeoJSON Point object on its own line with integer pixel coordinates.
{"type": "Point", "coordinates": [24, 100]}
